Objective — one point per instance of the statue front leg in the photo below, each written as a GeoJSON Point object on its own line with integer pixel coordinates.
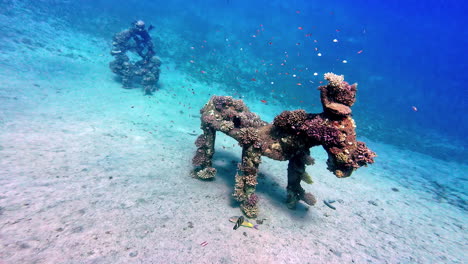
{"type": "Point", "coordinates": [296, 173]}
{"type": "Point", "coordinates": [246, 181]}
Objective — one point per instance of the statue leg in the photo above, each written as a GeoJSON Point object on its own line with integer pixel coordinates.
{"type": "Point", "coordinates": [296, 173]}
{"type": "Point", "coordinates": [148, 83]}
{"type": "Point", "coordinates": [204, 155]}
{"type": "Point", "coordinates": [246, 181]}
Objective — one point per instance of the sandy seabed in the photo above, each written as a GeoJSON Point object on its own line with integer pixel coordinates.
{"type": "Point", "coordinates": [92, 173]}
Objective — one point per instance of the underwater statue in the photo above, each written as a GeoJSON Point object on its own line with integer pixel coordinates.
{"type": "Point", "coordinates": [135, 39]}
{"type": "Point", "coordinates": [289, 137]}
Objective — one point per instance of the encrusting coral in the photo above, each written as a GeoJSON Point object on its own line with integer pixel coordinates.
{"type": "Point", "coordinates": [289, 137]}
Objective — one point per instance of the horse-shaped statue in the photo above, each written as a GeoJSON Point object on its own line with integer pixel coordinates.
{"type": "Point", "coordinates": [289, 137]}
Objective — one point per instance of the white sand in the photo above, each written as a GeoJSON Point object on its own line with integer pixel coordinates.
{"type": "Point", "coordinates": [92, 173]}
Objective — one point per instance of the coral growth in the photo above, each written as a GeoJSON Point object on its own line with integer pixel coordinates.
{"type": "Point", "coordinates": [248, 136]}
{"type": "Point", "coordinates": [249, 211]}
{"type": "Point", "coordinates": [290, 120]}
{"type": "Point", "coordinates": [206, 173]}
{"type": "Point", "coordinates": [333, 79]}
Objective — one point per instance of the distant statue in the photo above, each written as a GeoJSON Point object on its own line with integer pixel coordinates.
{"type": "Point", "coordinates": [289, 137]}
{"type": "Point", "coordinates": [135, 39]}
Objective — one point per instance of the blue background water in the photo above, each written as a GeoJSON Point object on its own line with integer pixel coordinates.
{"type": "Point", "coordinates": [402, 54]}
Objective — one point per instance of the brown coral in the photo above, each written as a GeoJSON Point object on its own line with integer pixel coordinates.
{"type": "Point", "coordinates": [206, 173]}
{"type": "Point", "coordinates": [248, 136]}
{"type": "Point", "coordinates": [290, 120]}
{"type": "Point", "coordinates": [251, 180]}
{"type": "Point", "coordinates": [249, 211]}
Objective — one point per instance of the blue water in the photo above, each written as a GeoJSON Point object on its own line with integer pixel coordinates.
{"type": "Point", "coordinates": [408, 57]}
{"type": "Point", "coordinates": [405, 55]}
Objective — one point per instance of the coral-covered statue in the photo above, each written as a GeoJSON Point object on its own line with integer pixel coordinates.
{"type": "Point", "coordinates": [289, 137]}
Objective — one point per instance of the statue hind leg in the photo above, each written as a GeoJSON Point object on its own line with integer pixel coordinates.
{"type": "Point", "coordinates": [204, 155]}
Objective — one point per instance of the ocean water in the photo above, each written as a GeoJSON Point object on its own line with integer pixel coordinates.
{"type": "Point", "coordinates": [94, 173]}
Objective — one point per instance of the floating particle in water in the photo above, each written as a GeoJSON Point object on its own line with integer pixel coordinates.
{"type": "Point", "coordinates": [345, 61]}
{"type": "Point", "coordinates": [254, 36]}
{"type": "Point", "coordinates": [294, 75]}
{"type": "Point", "coordinates": [335, 40]}
{"type": "Point", "coordinates": [319, 54]}
{"type": "Point", "coordinates": [300, 28]}
{"type": "Point", "coordinates": [272, 82]}
{"type": "Point", "coordinates": [241, 49]}
{"type": "Point", "coordinates": [315, 74]}
{"type": "Point", "coordinates": [192, 48]}
{"type": "Point", "coordinates": [414, 108]}
{"type": "Point", "coordinates": [227, 39]}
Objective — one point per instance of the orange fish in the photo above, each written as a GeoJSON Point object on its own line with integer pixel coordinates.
{"type": "Point", "coordinates": [263, 101]}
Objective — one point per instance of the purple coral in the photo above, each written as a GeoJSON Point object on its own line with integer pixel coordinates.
{"type": "Point", "coordinates": [201, 140]}
{"type": "Point", "coordinates": [200, 158]}
{"type": "Point", "coordinates": [315, 129]}
{"type": "Point", "coordinates": [252, 200]}
{"type": "Point", "coordinates": [221, 102]}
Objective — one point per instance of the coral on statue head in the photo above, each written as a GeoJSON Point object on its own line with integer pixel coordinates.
{"type": "Point", "coordinates": [338, 96]}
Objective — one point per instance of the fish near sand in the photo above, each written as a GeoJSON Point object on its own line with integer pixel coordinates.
{"type": "Point", "coordinates": [240, 221]}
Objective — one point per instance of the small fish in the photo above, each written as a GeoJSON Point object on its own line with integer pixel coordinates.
{"type": "Point", "coordinates": [299, 84]}
{"type": "Point", "coordinates": [204, 243]}
{"type": "Point", "coordinates": [359, 52]}
{"type": "Point", "coordinates": [300, 28]}
{"type": "Point", "coordinates": [203, 71]}
{"type": "Point", "coordinates": [240, 221]}
{"type": "Point", "coordinates": [254, 80]}
{"type": "Point", "coordinates": [263, 101]}
{"type": "Point", "coordinates": [414, 108]}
